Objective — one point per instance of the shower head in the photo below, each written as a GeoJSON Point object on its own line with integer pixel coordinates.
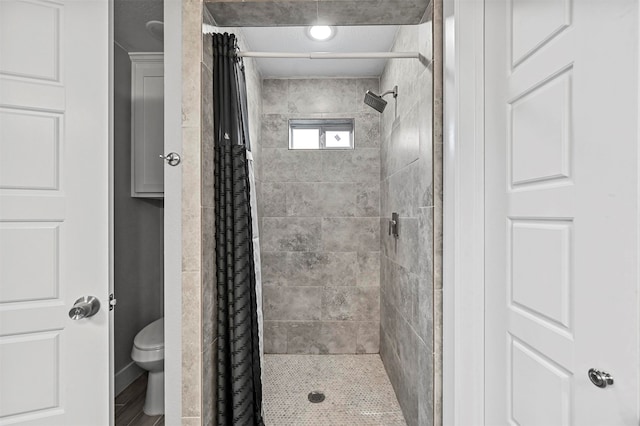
{"type": "Point", "coordinates": [376, 102]}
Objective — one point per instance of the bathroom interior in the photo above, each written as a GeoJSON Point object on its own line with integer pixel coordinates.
{"type": "Point", "coordinates": [347, 216]}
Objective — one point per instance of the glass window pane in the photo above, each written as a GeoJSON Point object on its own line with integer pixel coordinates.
{"type": "Point", "coordinates": [338, 139]}
{"type": "Point", "coordinates": [305, 139]}
{"type": "Point", "coordinates": [314, 133]}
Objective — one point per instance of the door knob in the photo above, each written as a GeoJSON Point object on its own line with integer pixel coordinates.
{"type": "Point", "coordinates": [172, 158]}
{"type": "Point", "coordinates": [84, 307]}
{"type": "Point", "coordinates": [600, 378]}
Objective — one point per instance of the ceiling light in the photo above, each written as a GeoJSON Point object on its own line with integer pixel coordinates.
{"type": "Point", "coordinates": [321, 32]}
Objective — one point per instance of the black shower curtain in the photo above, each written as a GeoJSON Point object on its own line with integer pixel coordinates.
{"type": "Point", "coordinates": [239, 374]}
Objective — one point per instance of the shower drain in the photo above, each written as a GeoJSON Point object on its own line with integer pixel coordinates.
{"type": "Point", "coordinates": [315, 397]}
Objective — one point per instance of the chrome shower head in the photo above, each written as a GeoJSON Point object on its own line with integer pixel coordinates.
{"type": "Point", "coordinates": [376, 102]}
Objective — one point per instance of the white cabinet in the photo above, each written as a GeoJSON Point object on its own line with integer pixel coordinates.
{"type": "Point", "coordinates": [147, 125]}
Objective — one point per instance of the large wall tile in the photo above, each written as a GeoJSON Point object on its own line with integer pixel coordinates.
{"type": "Point", "coordinates": [309, 269]}
{"type": "Point", "coordinates": [425, 386]}
{"type": "Point", "coordinates": [425, 241]}
{"type": "Point", "coordinates": [388, 319]}
{"type": "Point", "coordinates": [351, 303]}
{"type": "Point", "coordinates": [273, 198]}
{"type": "Point", "coordinates": [368, 339]}
{"type": "Point", "coordinates": [359, 165]}
{"type": "Point", "coordinates": [275, 337]}
{"type": "Point", "coordinates": [424, 185]}
{"type": "Point", "coordinates": [322, 337]}
{"type": "Point", "coordinates": [275, 131]}
{"type": "Point", "coordinates": [207, 49]}
{"type": "Point", "coordinates": [207, 137]}
{"type": "Point", "coordinates": [274, 96]}
{"type": "Point", "coordinates": [350, 234]}
{"type": "Point", "coordinates": [322, 95]}
{"type": "Point", "coordinates": [403, 380]}
{"type": "Point", "coordinates": [191, 344]}
{"type": "Point", "coordinates": [408, 252]}
{"type": "Point", "coordinates": [292, 303]}
{"type": "Point", "coordinates": [321, 199]}
{"type": "Point", "coordinates": [402, 192]}
{"type": "Point", "coordinates": [209, 385]}
{"type": "Point", "coordinates": [368, 269]}
{"type": "Point", "coordinates": [209, 283]}
{"type": "Point", "coordinates": [388, 242]}
{"type": "Point", "coordinates": [400, 288]}
{"type": "Point", "coordinates": [403, 372]}
{"type": "Point", "coordinates": [405, 143]}
{"type": "Point", "coordinates": [385, 208]}
{"type": "Point", "coordinates": [407, 345]}
{"type": "Point", "coordinates": [425, 134]}
{"type": "Point", "coordinates": [284, 165]}
{"type": "Point", "coordinates": [403, 250]}
{"type": "Point", "coordinates": [367, 130]}
{"type": "Point", "coordinates": [385, 146]}
{"type": "Point", "coordinates": [367, 199]}
{"type": "Point", "coordinates": [425, 311]}
{"type": "Point", "coordinates": [387, 353]}
{"type": "Point", "coordinates": [291, 234]}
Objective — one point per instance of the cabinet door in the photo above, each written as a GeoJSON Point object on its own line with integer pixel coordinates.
{"type": "Point", "coordinates": [147, 122]}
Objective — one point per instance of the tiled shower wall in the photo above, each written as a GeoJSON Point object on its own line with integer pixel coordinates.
{"type": "Point", "coordinates": [406, 340]}
{"type": "Point", "coordinates": [208, 288]}
{"type": "Point", "coordinates": [320, 222]}
{"type": "Point", "coordinates": [192, 236]}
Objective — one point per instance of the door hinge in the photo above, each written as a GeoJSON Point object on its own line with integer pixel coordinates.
{"type": "Point", "coordinates": [112, 302]}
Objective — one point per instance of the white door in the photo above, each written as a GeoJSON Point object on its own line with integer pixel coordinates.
{"type": "Point", "coordinates": [561, 218]}
{"type": "Point", "coordinates": [54, 158]}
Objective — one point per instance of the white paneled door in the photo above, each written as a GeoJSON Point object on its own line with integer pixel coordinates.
{"type": "Point", "coordinates": [54, 157]}
{"type": "Point", "coordinates": [561, 212]}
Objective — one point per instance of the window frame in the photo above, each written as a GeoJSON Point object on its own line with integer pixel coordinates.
{"type": "Point", "coordinates": [323, 125]}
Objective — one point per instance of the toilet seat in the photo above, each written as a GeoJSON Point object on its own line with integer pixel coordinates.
{"type": "Point", "coordinates": [151, 337]}
{"type": "Point", "coordinates": [148, 344]}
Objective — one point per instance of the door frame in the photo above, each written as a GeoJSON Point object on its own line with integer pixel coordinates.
{"type": "Point", "coordinates": [111, 215]}
{"type": "Point", "coordinates": [172, 213]}
{"type": "Point", "coordinates": [463, 211]}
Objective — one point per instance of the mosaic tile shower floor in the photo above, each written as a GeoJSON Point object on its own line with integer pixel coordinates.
{"type": "Point", "coordinates": [357, 390]}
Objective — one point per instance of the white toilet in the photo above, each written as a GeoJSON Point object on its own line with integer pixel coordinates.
{"type": "Point", "coordinates": [148, 353]}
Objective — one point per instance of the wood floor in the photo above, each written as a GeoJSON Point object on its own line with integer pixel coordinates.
{"type": "Point", "coordinates": [129, 406]}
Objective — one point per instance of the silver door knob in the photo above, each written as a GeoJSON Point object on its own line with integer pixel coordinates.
{"type": "Point", "coordinates": [84, 307]}
{"type": "Point", "coordinates": [600, 378]}
{"type": "Point", "coordinates": [172, 158]}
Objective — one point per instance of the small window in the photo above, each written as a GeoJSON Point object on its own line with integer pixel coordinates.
{"type": "Point", "coordinates": [321, 134]}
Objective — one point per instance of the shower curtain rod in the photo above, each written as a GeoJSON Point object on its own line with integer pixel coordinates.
{"type": "Point", "coordinates": [329, 55]}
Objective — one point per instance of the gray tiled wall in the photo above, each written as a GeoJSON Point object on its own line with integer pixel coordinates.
{"type": "Point", "coordinates": [406, 311]}
{"type": "Point", "coordinates": [320, 223]}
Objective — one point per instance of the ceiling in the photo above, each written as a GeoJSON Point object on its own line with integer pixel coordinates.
{"type": "Point", "coordinates": [294, 39]}
{"type": "Point", "coordinates": [260, 13]}
{"type": "Point", "coordinates": [130, 17]}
